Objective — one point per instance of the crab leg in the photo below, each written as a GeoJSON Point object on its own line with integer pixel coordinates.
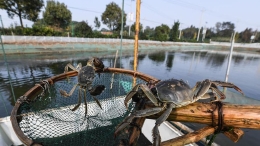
{"type": "Point", "coordinates": [131, 94]}
{"type": "Point", "coordinates": [149, 94]}
{"type": "Point", "coordinates": [97, 101]}
{"type": "Point", "coordinates": [85, 102]}
{"type": "Point", "coordinates": [138, 113]}
{"type": "Point", "coordinates": [79, 66]}
{"type": "Point", "coordinates": [65, 94]}
{"type": "Point", "coordinates": [203, 87]}
{"type": "Point", "coordinates": [66, 69]}
{"type": "Point", "coordinates": [79, 102]}
{"type": "Point", "coordinates": [228, 85]}
{"type": "Point", "coordinates": [221, 95]}
{"type": "Point", "coordinates": [159, 121]}
{"type": "Point", "coordinates": [146, 91]}
{"type": "Point", "coordinates": [196, 86]}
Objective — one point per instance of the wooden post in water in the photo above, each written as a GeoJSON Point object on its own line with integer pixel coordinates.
{"type": "Point", "coordinates": [230, 55]}
{"type": "Point", "coordinates": [137, 21]}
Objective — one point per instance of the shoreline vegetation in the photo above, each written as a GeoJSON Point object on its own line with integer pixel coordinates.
{"type": "Point", "coordinates": [46, 45]}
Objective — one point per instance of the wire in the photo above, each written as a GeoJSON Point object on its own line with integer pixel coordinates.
{"type": "Point", "coordinates": [199, 8]}
{"type": "Point", "coordinates": [85, 10]}
{"type": "Point", "coordinates": [154, 10]}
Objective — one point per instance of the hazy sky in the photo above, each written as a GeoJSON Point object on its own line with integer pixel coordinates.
{"type": "Point", "coordinates": [244, 13]}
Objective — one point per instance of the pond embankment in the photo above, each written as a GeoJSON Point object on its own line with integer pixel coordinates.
{"type": "Point", "coordinates": [36, 45]}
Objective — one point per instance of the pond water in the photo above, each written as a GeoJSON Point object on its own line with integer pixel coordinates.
{"type": "Point", "coordinates": [27, 70]}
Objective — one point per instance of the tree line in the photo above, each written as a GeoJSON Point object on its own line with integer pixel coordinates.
{"type": "Point", "coordinates": [57, 21]}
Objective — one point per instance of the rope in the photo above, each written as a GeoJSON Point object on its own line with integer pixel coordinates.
{"type": "Point", "coordinates": [219, 106]}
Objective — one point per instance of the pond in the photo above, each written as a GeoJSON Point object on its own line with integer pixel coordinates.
{"type": "Point", "coordinates": [27, 70]}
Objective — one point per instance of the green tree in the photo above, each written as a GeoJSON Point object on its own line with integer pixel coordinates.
{"type": "Point", "coordinates": [56, 14]}
{"type": "Point", "coordinates": [24, 9]}
{"type": "Point", "coordinates": [112, 17]}
{"type": "Point", "coordinates": [149, 32]}
{"type": "Point", "coordinates": [246, 35]}
{"type": "Point", "coordinates": [225, 29]}
{"type": "Point", "coordinates": [39, 23]}
{"type": "Point", "coordinates": [82, 29]}
{"type": "Point", "coordinates": [133, 27]}
{"type": "Point", "coordinates": [190, 32]}
{"type": "Point", "coordinates": [161, 32]}
{"type": "Point", "coordinates": [210, 33]}
{"type": "Point", "coordinates": [174, 31]}
{"type": "Point", "coordinates": [97, 23]}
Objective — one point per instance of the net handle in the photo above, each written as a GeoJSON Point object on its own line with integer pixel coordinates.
{"type": "Point", "coordinates": [30, 94]}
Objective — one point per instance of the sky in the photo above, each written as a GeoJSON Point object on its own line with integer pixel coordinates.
{"type": "Point", "coordinates": [243, 13]}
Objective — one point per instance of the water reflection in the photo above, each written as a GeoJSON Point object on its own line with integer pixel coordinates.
{"type": "Point", "coordinates": [169, 61]}
{"type": "Point", "coordinates": [238, 59]}
{"type": "Point", "coordinates": [157, 57]}
{"type": "Point", "coordinates": [216, 60]}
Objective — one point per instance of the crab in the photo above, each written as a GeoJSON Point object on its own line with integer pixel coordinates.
{"type": "Point", "coordinates": [169, 94]}
{"type": "Point", "coordinates": [86, 76]}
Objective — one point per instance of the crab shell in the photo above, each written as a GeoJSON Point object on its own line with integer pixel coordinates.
{"type": "Point", "coordinates": [173, 90]}
{"type": "Point", "coordinates": [86, 75]}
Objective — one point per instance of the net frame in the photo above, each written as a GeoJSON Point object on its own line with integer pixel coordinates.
{"type": "Point", "coordinates": [37, 89]}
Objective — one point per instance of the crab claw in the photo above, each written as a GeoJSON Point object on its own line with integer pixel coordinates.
{"type": "Point", "coordinates": [97, 90]}
{"type": "Point", "coordinates": [122, 126]}
{"type": "Point", "coordinates": [131, 94]}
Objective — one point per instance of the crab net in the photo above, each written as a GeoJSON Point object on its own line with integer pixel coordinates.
{"type": "Point", "coordinates": [43, 117]}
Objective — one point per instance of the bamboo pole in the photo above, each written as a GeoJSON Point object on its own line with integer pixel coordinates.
{"type": "Point", "coordinates": [135, 132]}
{"type": "Point", "coordinates": [194, 137]}
{"type": "Point", "coordinates": [189, 130]}
{"type": "Point", "coordinates": [239, 116]}
{"type": "Point", "coordinates": [235, 134]}
{"type": "Point", "coordinates": [137, 21]}
{"type": "Point", "coordinates": [190, 137]}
